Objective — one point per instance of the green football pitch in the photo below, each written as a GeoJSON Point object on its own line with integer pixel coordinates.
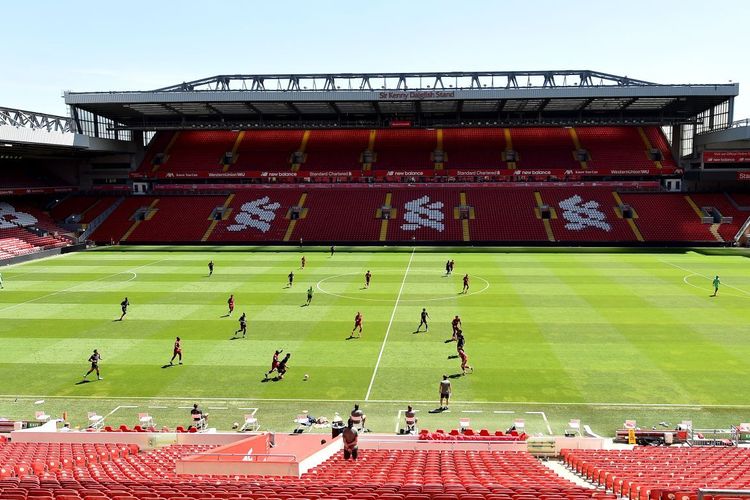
{"type": "Point", "coordinates": [600, 335]}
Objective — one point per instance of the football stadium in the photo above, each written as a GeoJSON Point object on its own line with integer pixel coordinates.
{"type": "Point", "coordinates": [459, 285]}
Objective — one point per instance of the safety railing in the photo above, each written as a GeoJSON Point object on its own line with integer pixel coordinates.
{"type": "Point", "coordinates": [242, 457]}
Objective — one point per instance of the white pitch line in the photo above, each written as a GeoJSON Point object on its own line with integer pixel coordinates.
{"type": "Point", "coordinates": [692, 406]}
{"type": "Point", "coordinates": [81, 284]}
{"type": "Point", "coordinates": [218, 408]}
{"type": "Point", "coordinates": [390, 323]}
{"type": "Point", "coordinates": [503, 411]}
{"type": "Point", "coordinates": [472, 411]}
{"type": "Point", "coordinates": [157, 407]}
{"type": "Point", "coordinates": [544, 416]}
{"type": "Point", "coordinates": [693, 273]}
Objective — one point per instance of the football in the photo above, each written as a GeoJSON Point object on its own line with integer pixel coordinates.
{"type": "Point", "coordinates": [306, 376]}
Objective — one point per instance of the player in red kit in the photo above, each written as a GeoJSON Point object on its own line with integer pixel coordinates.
{"type": "Point", "coordinates": [274, 362]}
{"type": "Point", "coordinates": [357, 324]}
{"type": "Point", "coordinates": [464, 362]}
{"type": "Point", "coordinates": [456, 324]}
{"type": "Point", "coordinates": [368, 276]}
{"type": "Point", "coordinates": [466, 283]}
{"type": "Point", "coordinates": [177, 352]}
{"type": "Point", "coordinates": [230, 303]}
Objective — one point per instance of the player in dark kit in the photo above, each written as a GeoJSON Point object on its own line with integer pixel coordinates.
{"type": "Point", "coordinates": [368, 275]}
{"type": "Point", "coordinates": [309, 295]}
{"type": "Point", "coordinates": [124, 306]}
{"type": "Point", "coordinates": [423, 317]}
{"type": "Point", "coordinates": [177, 352]}
{"type": "Point", "coordinates": [460, 341]}
{"type": "Point", "coordinates": [357, 324]}
{"type": "Point", "coordinates": [302, 262]}
{"type": "Point", "coordinates": [281, 369]}
{"type": "Point", "coordinates": [94, 360]}
{"type": "Point", "coordinates": [230, 303]}
{"type": "Point", "coordinates": [333, 249]}
{"type": "Point", "coordinates": [466, 283]}
{"type": "Point", "coordinates": [456, 324]}
{"type": "Point", "coordinates": [451, 264]}
{"type": "Point", "coordinates": [291, 278]}
{"type": "Point", "coordinates": [243, 326]}
{"type": "Point", "coordinates": [275, 362]}
{"type": "Point", "coordinates": [210, 267]}
{"type": "Point", "coordinates": [448, 267]}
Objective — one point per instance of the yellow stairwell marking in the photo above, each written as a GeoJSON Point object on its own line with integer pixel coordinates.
{"type": "Point", "coordinates": [384, 222]}
{"type": "Point", "coordinates": [439, 147]}
{"type": "Point", "coordinates": [714, 228]}
{"type": "Point", "coordinates": [715, 231]}
{"type": "Point", "coordinates": [509, 146]}
{"type": "Point", "coordinates": [236, 146]}
{"type": "Point", "coordinates": [694, 206]}
{"type": "Point", "coordinates": [214, 222]}
{"type": "Point", "coordinates": [370, 147]}
{"type": "Point", "coordinates": [577, 144]}
{"type": "Point", "coordinates": [167, 150]}
{"type": "Point", "coordinates": [631, 221]}
{"type": "Point", "coordinates": [547, 225]}
{"type": "Point", "coordinates": [464, 222]}
{"type": "Point", "coordinates": [648, 145]}
{"type": "Point", "coordinates": [302, 147]}
{"type": "Point", "coordinates": [138, 222]}
{"type": "Point", "coordinates": [292, 223]}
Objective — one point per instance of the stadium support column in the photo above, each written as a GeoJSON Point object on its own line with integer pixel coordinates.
{"type": "Point", "coordinates": [384, 220]}
{"type": "Point", "coordinates": [224, 216]}
{"type": "Point", "coordinates": [464, 212]}
{"type": "Point", "coordinates": [293, 222]}
{"type": "Point", "coordinates": [539, 211]}
{"type": "Point", "coordinates": [236, 146]}
{"type": "Point", "coordinates": [714, 228]}
{"type": "Point", "coordinates": [150, 211]}
{"type": "Point", "coordinates": [629, 220]}
{"type": "Point", "coordinates": [649, 146]}
{"type": "Point", "coordinates": [577, 144]}
{"type": "Point", "coordinates": [166, 151]}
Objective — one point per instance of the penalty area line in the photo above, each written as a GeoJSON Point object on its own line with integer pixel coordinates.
{"type": "Point", "coordinates": [390, 324]}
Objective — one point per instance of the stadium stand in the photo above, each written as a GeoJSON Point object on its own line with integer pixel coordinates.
{"type": "Point", "coordinates": [668, 217]}
{"type": "Point", "coordinates": [267, 149]}
{"type": "Point", "coordinates": [614, 147]}
{"type": "Point", "coordinates": [404, 149]}
{"type": "Point", "coordinates": [335, 149]}
{"type": "Point", "coordinates": [574, 225]}
{"type": "Point", "coordinates": [648, 472]}
{"type": "Point", "coordinates": [86, 472]}
{"type": "Point", "coordinates": [198, 150]}
{"type": "Point", "coordinates": [469, 148]}
{"type": "Point", "coordinates": [582, 214]}
{"type": "Point", "coordinates": [544, 147]}
{"type": "Point", "coordinates": [175, 218]}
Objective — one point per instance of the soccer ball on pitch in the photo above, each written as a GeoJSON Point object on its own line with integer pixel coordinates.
{"type": "Point", "coordinates": [236, 425]}
{"type": "Point", "coordinates": [306, 376]}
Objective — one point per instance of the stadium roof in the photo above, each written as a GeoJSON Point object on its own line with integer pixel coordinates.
{"type": "Point", "coordinates": [421, 99]}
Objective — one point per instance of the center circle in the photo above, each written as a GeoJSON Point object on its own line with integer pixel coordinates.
{"type": "Point", "coordinates": [342, 296]}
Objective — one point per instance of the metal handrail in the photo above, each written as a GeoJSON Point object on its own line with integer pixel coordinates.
{"type": "Point", "coordinates": [716, 491]}
{"type": "Point", "coordinates": [244, 457]}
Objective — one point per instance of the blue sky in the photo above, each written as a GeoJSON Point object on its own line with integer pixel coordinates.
{"type": "Point", "coordinates": [138, 45]}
